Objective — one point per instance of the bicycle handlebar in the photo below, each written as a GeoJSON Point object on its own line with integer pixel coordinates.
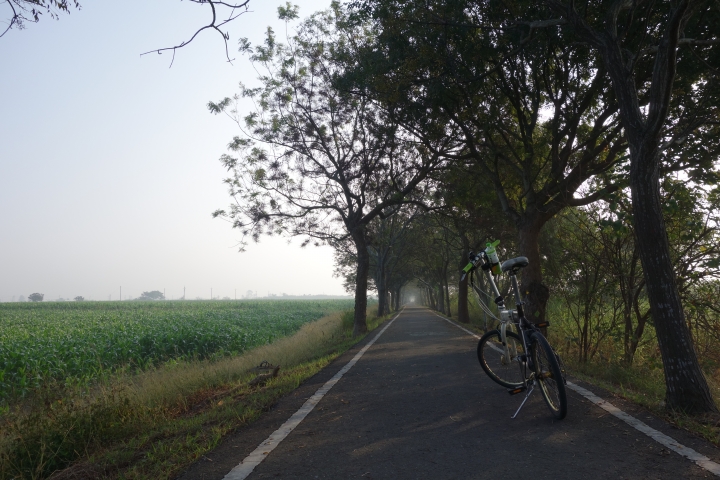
{"type": "Point", "coordinates": [487, 255]}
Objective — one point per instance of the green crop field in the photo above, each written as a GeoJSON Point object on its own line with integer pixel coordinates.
{"type": "Point", "coordinates": [77, 342]}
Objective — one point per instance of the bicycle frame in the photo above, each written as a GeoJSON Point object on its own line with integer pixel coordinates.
{"type": "Point", "coordinates": [509, 319]}
{"type": "Point", "coordinates": [531, 373]}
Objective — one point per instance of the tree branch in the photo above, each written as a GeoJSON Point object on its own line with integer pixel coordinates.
{"type": "Point", "coordinates": [213, 25]}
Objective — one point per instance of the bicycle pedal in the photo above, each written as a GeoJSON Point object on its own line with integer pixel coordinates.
{"type": "Point", "coordinates": [515, 391]}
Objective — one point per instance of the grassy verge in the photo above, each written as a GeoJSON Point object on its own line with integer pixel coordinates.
{"type": "Point", "coordinates": [646, 387]}
{"type": "Point", "coordinates": [155, 424]}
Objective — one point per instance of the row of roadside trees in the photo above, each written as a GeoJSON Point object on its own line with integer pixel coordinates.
{"type": "Point", "coordinates": [390, 129]}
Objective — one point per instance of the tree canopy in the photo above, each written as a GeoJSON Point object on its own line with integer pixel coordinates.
{"type": "Point", "coordinates": [423, 128]}
{"type": "Point", "coordinates": [315, 161]}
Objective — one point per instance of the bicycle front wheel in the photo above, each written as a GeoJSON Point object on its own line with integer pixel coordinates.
{"type": "Point", "coordinates": [549, 375]}
{"type": "Point", "coordinates": [505, 367]}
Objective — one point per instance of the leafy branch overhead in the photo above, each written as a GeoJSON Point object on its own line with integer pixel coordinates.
{"type": "Point", "coordinates": [23, 11]}
{"type": "Point", "coordinates": [313, 160]}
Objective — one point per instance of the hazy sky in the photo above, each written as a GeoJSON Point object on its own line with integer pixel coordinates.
{"type": "Point", "coordinates": [109, 164]}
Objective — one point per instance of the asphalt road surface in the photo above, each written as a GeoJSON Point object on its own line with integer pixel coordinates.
{"type": "Point", "coordinates": [418, 405]}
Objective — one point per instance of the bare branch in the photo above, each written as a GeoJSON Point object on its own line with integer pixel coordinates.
{"type": "Point", "coordinates": [213, 25]}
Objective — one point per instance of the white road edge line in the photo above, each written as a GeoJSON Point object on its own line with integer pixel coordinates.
{"type": "Point", "coordinates": [661, 438]}
{"type": "Point", "coordinates": [668, 442]}
{"type": "Point", "coordinates": [245, 468]}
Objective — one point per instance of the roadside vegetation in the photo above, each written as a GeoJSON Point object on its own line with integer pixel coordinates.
{"type": "Point", "coordinates": [76, 343]}
{"type": "Point", "coordinates": [155, 422]}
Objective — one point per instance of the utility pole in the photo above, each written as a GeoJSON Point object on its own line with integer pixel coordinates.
{"type": "Point", "coordinates": [184, 293]}
{"type": "Point", "coordinates": [121, 294]}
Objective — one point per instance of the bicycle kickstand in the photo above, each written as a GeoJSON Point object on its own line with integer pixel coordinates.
{"type": "Point", "coordinates": [530, 390]}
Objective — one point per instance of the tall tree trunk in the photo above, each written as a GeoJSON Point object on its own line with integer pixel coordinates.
{"type": "Point", "coordinates": [361, 281]}
{"type": "Point", "coordinates": [463, 312]}
{"type": "Point", "coordinates": [687, 389]}
{"type": "Point", "coordinates": [447, 291]}
{"type": "Point", "coordinates": [536, 293]}
{"type": "Point", "coordinates": [431, 298]}
{"type": "Point", "coordinates": [441, 298]}
{"type": "Point", "coordinates": [629, 354]}
{"type": "Point", "coordinates": [381, 285]}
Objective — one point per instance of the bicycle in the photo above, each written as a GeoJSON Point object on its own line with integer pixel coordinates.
{"type": "Point", "coordinates": [503, 352]}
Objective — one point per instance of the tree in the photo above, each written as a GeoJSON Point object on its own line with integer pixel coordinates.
{"type": "Point", "coordinates": [36, 297]}
{"type": "Point", "coordinates": [233, 9]}
{"type": "Point", "coordinates": [79, 299]}
{"type": "Point", "coordinates": [154, 295]}
{"type": "Point", "coordinates": [469, 204]}
{"type": "Point", "coordinates": [598, 243]}
{"type": "Point", "coordinates": [392, 251]}
{"type": "Point", "coordinates": [23, 11]}
{"type": "Point", "coordinates": [661, 59]}
{"type": "Point", "coordinates": [538, 119]}
{"type": "Point", "coordinates": [389, 252]}
{"type": "Point", "coordinates": [662, 96]}
{"type": "Point", "coordinates": [314, 161]}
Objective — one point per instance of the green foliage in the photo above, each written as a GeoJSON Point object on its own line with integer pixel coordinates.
{"type": "Point", "coordinates": [24, 11]}
{"type": "Point", "coordinates": [81, 341]}
{"type": "Point", "coordinates": [288, 12]}
{"type": "Point", "coordinates": [598, 276]}
{"type": "Point", "coordinates": [156, 423]}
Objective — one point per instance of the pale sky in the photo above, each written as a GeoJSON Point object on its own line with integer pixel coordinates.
{"type": "Point", "coordinates": [109, 166]}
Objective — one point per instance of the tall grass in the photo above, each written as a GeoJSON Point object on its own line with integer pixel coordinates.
{"type": "Point", "coordinates": [152, 423]}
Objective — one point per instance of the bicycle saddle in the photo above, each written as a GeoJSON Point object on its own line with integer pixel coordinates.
{"type": "Point", "coordinates": [514, 264]}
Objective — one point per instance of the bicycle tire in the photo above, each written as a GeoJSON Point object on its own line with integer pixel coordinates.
{"type": "Point", "coordinates": [491, 357]}
{"type": "Point", "coordinates": [548, 375]}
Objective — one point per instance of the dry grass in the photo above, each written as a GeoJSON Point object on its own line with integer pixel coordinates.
{"type": "Point", "coordinates": [183, 379]}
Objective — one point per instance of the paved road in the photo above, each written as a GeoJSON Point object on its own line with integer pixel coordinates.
{"type": "Point", "coordinates": [418, 405]}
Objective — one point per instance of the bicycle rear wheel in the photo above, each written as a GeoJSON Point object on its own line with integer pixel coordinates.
{"type": "Point", "coordinates": [508, 372]}
{"type": "Point", "coordinates": [549, 375]}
